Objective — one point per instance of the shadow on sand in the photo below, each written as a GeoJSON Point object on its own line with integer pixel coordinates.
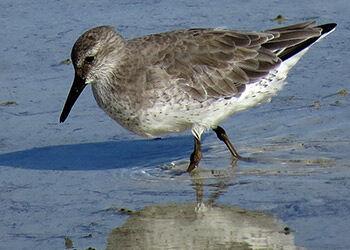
{"type": "Point", "coordinates": [99, 156]}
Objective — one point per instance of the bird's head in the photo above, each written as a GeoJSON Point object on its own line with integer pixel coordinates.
{"type": "Point", "coordinates": [91, 56]}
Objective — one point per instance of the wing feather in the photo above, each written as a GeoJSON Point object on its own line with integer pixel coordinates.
{"type": "Point", "coordinates": [210, 63]}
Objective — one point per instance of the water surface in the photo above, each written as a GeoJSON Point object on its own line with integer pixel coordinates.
{"type": "Point", "coordinates": [71, 180]}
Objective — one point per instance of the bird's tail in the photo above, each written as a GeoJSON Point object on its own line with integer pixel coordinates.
{"type": "Point", "coordinates": [300, 36]}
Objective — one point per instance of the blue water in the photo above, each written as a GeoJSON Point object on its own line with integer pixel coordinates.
{"type": "Point", "coordinates": [56, 180]}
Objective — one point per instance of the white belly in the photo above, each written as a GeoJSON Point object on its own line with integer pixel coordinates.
{"type": "Point", "coordinates": [176, 116]}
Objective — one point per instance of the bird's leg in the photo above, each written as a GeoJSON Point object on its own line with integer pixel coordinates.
{"type": "Point", "coordinates": [196, 156]}
{"type": "Point", "coordinates": [221, 134]}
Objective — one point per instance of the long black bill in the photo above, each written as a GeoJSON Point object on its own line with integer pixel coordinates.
{"type": "Point", "coordinates": [75, 91]}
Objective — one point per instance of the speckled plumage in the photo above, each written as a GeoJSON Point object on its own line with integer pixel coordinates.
{"type": "Point", "coordinates": [185, 79]}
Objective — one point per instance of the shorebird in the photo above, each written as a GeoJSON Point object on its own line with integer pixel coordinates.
{"type": "Point", "coordinates": [186, 79]}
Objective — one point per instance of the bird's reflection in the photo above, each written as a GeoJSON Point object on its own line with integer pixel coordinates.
{"type": "Point", "coordinates": [201, 225]}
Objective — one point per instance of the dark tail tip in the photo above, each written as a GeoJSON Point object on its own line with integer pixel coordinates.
{"type": "Point", "coordinates": [291, 51]}
{"type": "Point", "coordinates": [327, 27]}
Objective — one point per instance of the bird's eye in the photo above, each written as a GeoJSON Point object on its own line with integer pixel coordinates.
{"type": "Point", "coordinates": [89, 59]}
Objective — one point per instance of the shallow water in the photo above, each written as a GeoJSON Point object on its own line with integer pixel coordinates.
{"type": "Point", "coordinates": [70, 180]}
